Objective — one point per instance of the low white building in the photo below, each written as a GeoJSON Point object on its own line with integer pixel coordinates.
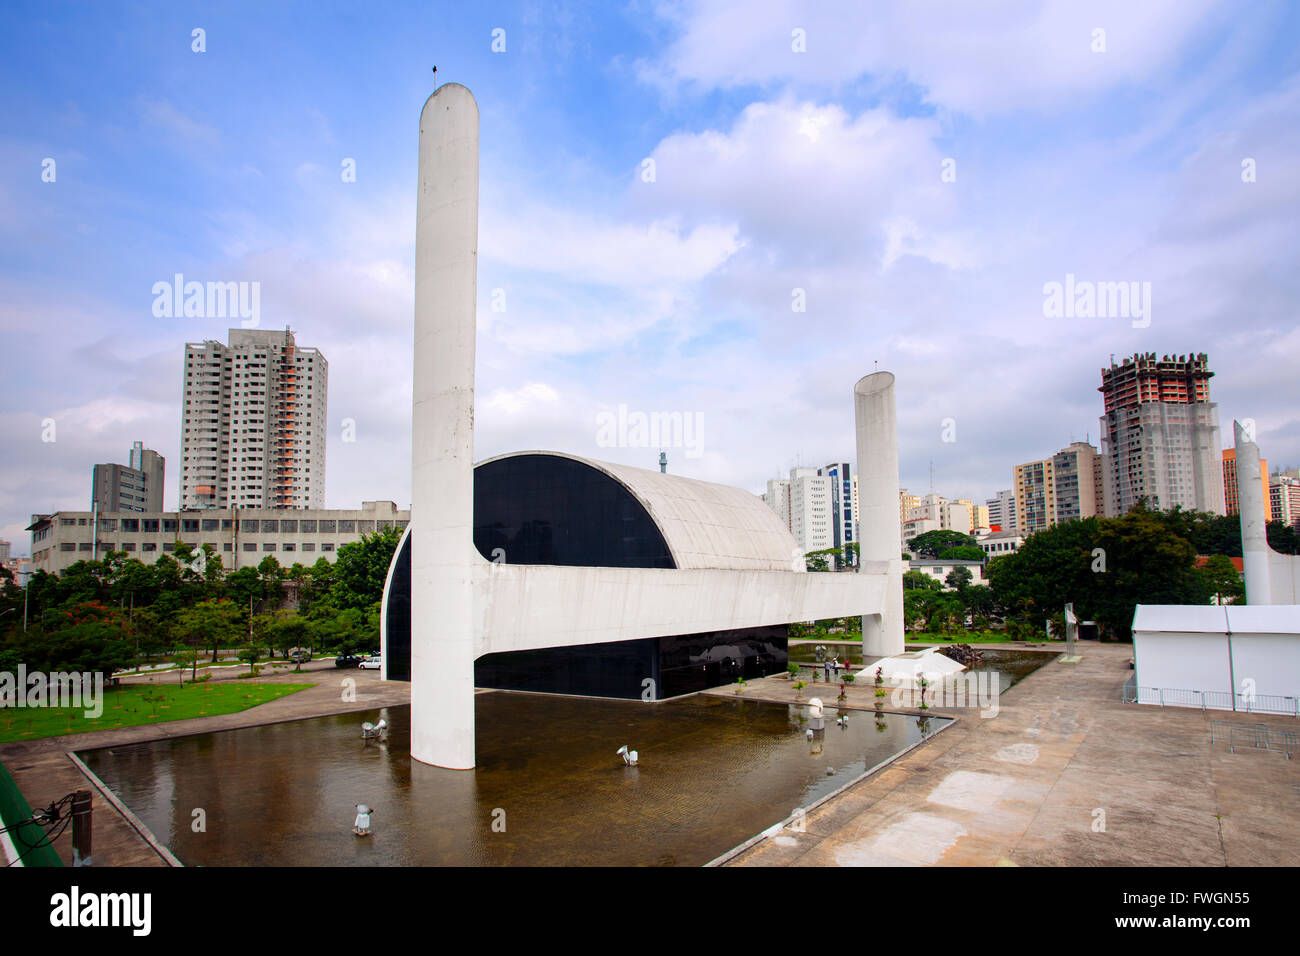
{"type": "Point", "coordinates": [1230, 657]}
{"type": "Point", "coordinates": [939, 568]}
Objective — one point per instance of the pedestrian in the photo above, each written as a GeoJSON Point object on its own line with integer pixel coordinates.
{"type": "Point", "coordinates": [835, 666]}
{"type": "Point", "coordinates": [826, 666]}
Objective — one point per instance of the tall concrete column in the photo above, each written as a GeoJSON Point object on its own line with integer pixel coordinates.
{"type": "Point", "coordinates": [876, 423]}
{"type": "Point", "coordinates": [1254, 540]}
{"type": "Point", "coordinates": [442, 432]}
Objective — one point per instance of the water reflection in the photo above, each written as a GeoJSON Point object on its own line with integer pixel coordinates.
{"type": "Point", "coordinates": [549, 789]}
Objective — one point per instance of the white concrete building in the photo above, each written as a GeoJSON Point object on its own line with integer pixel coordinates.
{"type": "Point", "coordinates": [253, 423]}
{"type": "Point", "coordinates": [457, 605]}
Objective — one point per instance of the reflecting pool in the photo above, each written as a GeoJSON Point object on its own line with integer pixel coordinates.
{"type": "Point", "coordinates": [549, 789]}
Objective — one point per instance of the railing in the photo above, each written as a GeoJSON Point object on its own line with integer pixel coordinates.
{"type": "Point", "coordinates": [1255, 737]}
{"type": "Point", "coordinates": [1132, 693]}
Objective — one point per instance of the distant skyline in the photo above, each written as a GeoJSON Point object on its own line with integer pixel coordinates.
{"type": "Point", "coordinates": [663, 187]}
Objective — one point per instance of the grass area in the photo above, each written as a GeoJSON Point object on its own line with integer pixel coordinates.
{"type": "Point", "coordinates": [136, 704]}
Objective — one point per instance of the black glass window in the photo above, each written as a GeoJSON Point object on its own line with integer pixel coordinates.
{"type": "Point", "coordinates": [542, 509]}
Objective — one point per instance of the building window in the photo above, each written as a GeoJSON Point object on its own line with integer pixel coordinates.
{"type": "Point", "coordinates": [169, 525]}
{"type": "Point", "coordinates": [309, 546]}
{"type": "Point", "coordinates": [287, 547]}
{"type": "Point", "coordinates": [306, 526]}
{"type": "Point", "coordinates": [347, 526]}
{"type": "Point", "coordinates": [248, 526]}
{"type": "Point", "coordinates": [328, 526]}
{"type": "Point", "coordinates": [209, 524]}
{"type": "Point", "coordinates": [129, 546]}
{"type": "Point", "coordinates": [288, 527]}
{"type": "Point", "coordinates": [268, 546]}
{"type": "Point", "coordinates": [108, 524]}
{"type": "Point", "coordinates": [250, 545]}
{"type": "Point", "coordinates": [148, 546]}
{"type": "Point", "coordinates": [227, 524]}
{"type": "Point", "coordinates": [169, 545]}
{"type": "Point", "coordinates": [227, 546]}
{"type": "Point", "coordinates": [68, 546]}
{"type": "Point", "coordinates": [327, 546]}
{"type": "Point", "coordinates": [270, 527]}
{"type": "Point", "coordinates": [149, 525]}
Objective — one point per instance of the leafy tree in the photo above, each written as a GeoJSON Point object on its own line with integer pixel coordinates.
{"type": "Point", "coordinates": [361, 569]}
{"type": "Point", "coordinates": [963, 552]}
{"type": "Point", "coordinates": [1222, 579]}
{"type": "Point", "coordinates": [211, 623]}
{"type": "Point", "coordinates": [933, 543]}
{"type": "Point", "coordinates": [959, 578]}
{"type": "Point", "coordinates": [919, 580]}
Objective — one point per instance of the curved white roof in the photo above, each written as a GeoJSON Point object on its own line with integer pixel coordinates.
{"type": "Point", "coordinates": [705, 525]}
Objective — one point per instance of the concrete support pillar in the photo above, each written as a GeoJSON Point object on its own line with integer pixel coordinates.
{"type": "Point", "coordinates": [1254, 540]}
{"type": "Point", "coordinates": [876, 424]}
{"type": "Point", "coordinates": [442, 447]}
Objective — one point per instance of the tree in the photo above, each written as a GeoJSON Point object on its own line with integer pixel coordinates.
{"type": "Point", "coordinates": [1222, 579]}
{"type": "Point", "coordinates": [964, 552]}
{"type": "Point", "coordinates": [211, 622]}
{"type": "Point", "coordinates": [361, 569]}
{"type": "Point", "coordinates": [918, 580]}
{"type": "Point", "coordinates": [959, 578]}
{"type": "Point", "coordinates": [933, 543]}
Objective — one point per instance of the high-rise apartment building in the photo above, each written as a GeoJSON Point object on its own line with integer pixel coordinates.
{"type": "Point", "coordinates": [906, 503]}
{"type": "Point", "coordinates": [1231, 502]}
{"type": "Point", "coordinates": [1160, 435]}
{"type": "Point", "coordinates": [1056, 489]}
{"type": "Point", "coordinates": [1002, 510]}
{"type": "Point", "coordinates": [137, 486]}
{"type": "Point", "coordinates": [803, 502]}
{"type": "Point", "coordinates": [844, 502]}
{"type": "Point", "coordinates": [253, 423]}
{"type": "Point", "coordinates": [1284, 497]}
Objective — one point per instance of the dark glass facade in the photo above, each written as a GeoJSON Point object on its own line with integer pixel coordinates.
{"type": "Point", "coordinates": [542, 509]}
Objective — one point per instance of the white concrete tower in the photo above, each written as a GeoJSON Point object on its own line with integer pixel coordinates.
{"type": "Point", "coordinates": [442, 426]}
{"type": "Point", "coordinates": [1254, 538]}
{"type": "Point", "coordinates": [877, 434]}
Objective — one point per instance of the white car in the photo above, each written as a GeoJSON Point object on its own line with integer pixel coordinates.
{"type": "Point", "coordinates": [372, 663]}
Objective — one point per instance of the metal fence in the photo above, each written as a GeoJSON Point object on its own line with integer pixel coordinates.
{"type": "Point", "coordinates": [1255, 737]}
{"type": "Point", "coordinates": [1133, 693]}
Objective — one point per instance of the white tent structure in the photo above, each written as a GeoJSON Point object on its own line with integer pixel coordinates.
{"type": "Point", "coordinates": [1234, 657]}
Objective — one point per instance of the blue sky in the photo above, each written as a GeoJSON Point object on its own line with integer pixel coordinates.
{"type": "Point", "coordinates": [775, 170]}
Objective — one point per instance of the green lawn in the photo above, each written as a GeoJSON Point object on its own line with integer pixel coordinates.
{"type": "Point", "coordinates": [136, 704]}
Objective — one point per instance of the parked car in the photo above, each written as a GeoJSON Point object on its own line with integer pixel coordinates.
{"type": "Point", "coordinates": [300, 656]}
{"type": "Point", "coordinates": [372, 663]}
{"type": "Point", "coordinates": [347, 660]}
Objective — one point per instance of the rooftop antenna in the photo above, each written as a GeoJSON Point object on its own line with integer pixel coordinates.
{"type": "Point", "coordinates": [931, 476]}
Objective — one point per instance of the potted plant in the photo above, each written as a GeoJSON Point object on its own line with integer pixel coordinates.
{"type": "Point", "coordinates": [880, 688]}
{"type": "Point", "coordinates": [740, 685]}
{"type": "Point", "coordinates": [792, 670]}
{"type": "Point", "coordinates": [798, 689]}
{"type": "Point", "coordinates": [922, 683]}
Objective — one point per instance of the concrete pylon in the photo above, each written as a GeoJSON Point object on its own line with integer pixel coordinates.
{"type": "Point", "coordinates": [876, 423]}
{"type": "Point", "coordinates": [1254, 537]}
{"type": "Point", "coordinates": [442, 427]}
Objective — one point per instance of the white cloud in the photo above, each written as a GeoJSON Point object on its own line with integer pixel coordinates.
{"type": "Point", "coordinates": [975, 58]}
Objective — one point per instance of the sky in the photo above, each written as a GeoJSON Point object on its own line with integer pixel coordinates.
{"type": "Point", "coordinates": [726, 210]}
